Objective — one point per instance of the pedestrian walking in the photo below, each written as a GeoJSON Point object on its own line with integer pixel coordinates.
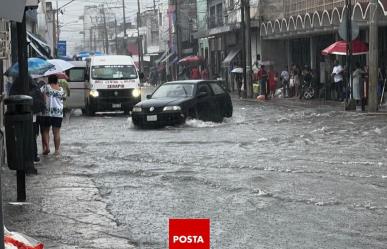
{"type": "Point", "coordinates": [53, 115]}
{"type": "Point", "coordinates": [239, 83]}
{"type": "Point", "coordinates": [285, 77]}
{"type": "Point", "coordinates": [338, 80]}
{"type": "Point", "coordinates": [205, 75]}
{"type": "Point", "coordinates": [307, 79]}
{"type": "Point", "coordinates": [358, 83]}
{"type": "Point", "coordinates": [62, 79]}
{"type": "Point", "coordinates": [262, 77]}
{"type": "Point", "coordinates": [272, 80]}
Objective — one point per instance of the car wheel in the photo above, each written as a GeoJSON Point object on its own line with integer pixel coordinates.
{"type": "Point", "coordinates": [191, 114]}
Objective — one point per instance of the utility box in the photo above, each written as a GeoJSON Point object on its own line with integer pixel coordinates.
{"type": "Point", "coordinates": [18, 122]}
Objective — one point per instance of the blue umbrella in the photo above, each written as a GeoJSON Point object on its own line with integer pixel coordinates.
{"type": "Point", "coordinates": [36, 66]}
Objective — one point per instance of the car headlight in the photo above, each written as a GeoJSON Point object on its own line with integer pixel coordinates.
{"type": "Point", "coordinates": [137, 109]}
{"type": "Point", "coordinates": [172, 108]}
{"type": "Point", "coordinates": [136, 92]}
{"type": "Point", "coordinates": [94, 93]}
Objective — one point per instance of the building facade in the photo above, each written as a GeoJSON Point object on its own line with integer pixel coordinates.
{"type": "Point", "coordinates": [296, 25]}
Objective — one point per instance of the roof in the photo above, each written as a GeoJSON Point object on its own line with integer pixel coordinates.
{"type": "Point", "coordinates": [112, 60]}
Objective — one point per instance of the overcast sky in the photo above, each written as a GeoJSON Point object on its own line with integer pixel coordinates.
{"type": "Point", "coordinates": [71, 25]}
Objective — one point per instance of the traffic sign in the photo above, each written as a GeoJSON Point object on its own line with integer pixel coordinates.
{"type": "Point", "coordinates": [343, 29]}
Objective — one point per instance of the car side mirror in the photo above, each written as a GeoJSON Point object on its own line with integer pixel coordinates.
{"type": "Point", "coordinates": [149, 96]}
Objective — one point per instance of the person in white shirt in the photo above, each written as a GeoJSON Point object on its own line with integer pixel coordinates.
{"type": "Point", "coordinates": [338, 79]}
{"type": "Point", "coordinates": [285, 76]}
{"type": "Point", "coordinates": [53, 114]}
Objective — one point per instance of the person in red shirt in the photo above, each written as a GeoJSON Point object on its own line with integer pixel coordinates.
{"type": "Point", "coordinates": [272, 81]}
{"type": "Point", "coordinates": [195, 74]}
{"type": "Point", "coordinates": [262, 77]}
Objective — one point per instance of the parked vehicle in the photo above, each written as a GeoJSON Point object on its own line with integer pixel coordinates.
{"type": "Point", "coordinates": [113, 84]}
{"type": "Point", "coordinates": [77, 84]}
{"type": "Point", "coordinates": [174, 102]}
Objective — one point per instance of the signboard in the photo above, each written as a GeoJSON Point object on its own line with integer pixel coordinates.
{"type": "Point", "coordinates": [61, 48]}
{"type": "Point", "coordinates": [4, 44]}
{"type": "Point", "coordinates": [12, 10]}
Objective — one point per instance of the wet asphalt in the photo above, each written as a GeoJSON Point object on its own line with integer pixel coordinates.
{"type": "Point", "coordinates": [280, 174]}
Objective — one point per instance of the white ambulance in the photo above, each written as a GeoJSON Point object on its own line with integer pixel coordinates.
{"type": "Point", "coordinates": [113, 84]}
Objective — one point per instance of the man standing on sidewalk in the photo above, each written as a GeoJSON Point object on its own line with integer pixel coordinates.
{"type": "Point", "coordinates": [338, 79]}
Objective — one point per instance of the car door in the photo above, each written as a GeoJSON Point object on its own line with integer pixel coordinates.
{"type": "Point", "coordinates": [222, 99]}
{"type": "Point", "coordinates": [206, 104]}
{"type": "Point", "coordinates": [77, 88]}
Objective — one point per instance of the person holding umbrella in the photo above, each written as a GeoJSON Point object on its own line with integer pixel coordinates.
{"type": "Point", "coordinates": [53, 115]}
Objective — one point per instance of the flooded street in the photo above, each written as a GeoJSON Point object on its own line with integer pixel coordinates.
{"type": "Point", "coordinates": [273, 176]}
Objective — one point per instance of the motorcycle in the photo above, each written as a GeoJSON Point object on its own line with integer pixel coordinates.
{"type": "Point", "coordinates": [307, 90]}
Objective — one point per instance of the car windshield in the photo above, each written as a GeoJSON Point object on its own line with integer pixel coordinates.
{"type": "Point", "coordinates": [173, 91]}
{"type": "Point", "coordinates": [114, 72]}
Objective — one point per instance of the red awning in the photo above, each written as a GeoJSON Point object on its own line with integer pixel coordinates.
{"type": "Point", "coordinates": [191, 59]}
{"type": "Point", "coordinates": [340, 48]}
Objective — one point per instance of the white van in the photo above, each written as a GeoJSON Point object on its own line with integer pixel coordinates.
{"type": "Point", "coordinates": [113, 84]}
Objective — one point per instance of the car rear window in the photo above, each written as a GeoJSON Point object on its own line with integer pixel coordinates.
{"type": "Point", "coordinates": [217, 89]}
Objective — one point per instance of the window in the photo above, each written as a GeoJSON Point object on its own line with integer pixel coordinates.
{"type": "Point", "coordinates": [160, 19]}
{"type": "Point", "coordinates": [219, 15]}
{"type": "Point", "coordinates": [113, 72]}
{"type": "Point", "coordinates": [204, 88]}
{"type": "Point", "coordinates": [76, 75]}
{"type": "Point", "coordinates": [216, 88]}
{"type": "Point", "coordinates": [212, 17]}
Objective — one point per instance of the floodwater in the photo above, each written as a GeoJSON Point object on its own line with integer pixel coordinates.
{"type": "Point", "coordinates": [273, 176]}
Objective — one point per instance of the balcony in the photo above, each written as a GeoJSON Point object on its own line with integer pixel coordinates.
{"type": "Point", "coordinates": [300, 7]}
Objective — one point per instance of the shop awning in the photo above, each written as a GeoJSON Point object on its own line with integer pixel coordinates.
{"type": "Point", "coordinates": [41, 47]}
{"type": "Point", "coordinates": [230, 56]}
{"type": "Point", "coordinates": [162, 57]}
{"type": "Point", "coordinates": [340, 48]}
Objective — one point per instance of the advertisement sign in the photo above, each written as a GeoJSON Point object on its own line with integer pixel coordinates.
{"type": "Point", "coordinates": [61, 47]}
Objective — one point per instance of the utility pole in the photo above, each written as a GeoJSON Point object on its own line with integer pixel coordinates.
{"type": "Point", "coordinates": [115, 33]}
{"type": "Point", "coordinates": [57, 28]}
{"type": "Point", "coordinates": [123, 14]}
{"type": "Point", "coordinates": [105, 30]}
{"type": "Point", "coordinates": [178, 43]}
{"type": "Point", "coordinates": [22, 89]}
{"type": "Point", "coordinates": [249, 82]}
{"type": "Point", "coordinates": [139, 38]}
{"type": "Point", "coordinates": [373, 57]}
{"type": "Point", "coordinates": [243, 28]}
{"type": "Point", "coordinates": [349, 104]}
{"type": "Point", "coordinates": [91, 39]}
{"type": "Point", "coordinates": [125, 34]}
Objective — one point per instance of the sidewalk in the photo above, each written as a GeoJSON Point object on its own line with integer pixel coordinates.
{"type": "Point", "coordinates": [64, 210]}
{"type": "Point", "coordinates": [313, 103]}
